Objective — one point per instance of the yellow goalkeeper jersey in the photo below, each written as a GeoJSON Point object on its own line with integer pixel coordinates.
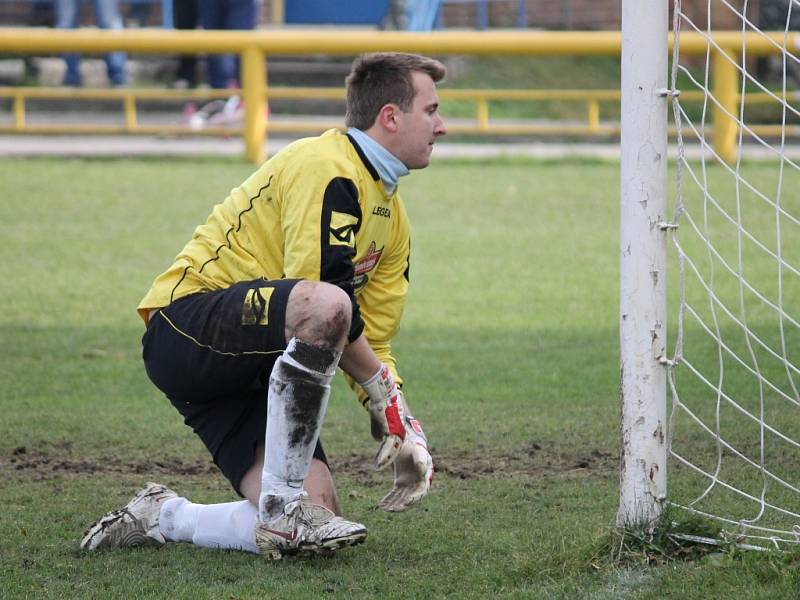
{"type": "Point", "coordinates": [317, 210]}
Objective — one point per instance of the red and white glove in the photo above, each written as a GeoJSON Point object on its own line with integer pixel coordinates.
{"type": "Point", "coordinates": [386, 416]}
{"type": "Point", "coordinates": [413, 470]}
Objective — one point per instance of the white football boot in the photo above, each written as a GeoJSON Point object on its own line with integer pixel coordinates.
{"type": "Point", "coordinates": [134, 525]}
{"type": "Point", "coordinates": [305, 528]}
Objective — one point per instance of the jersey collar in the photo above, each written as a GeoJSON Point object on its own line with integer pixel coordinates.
{"type": "Point", "coordinates": [388, 167]}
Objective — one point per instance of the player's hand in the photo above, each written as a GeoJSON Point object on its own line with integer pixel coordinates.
{"type": "Point", "coordinates": [386, 416]}
{"type": "Point", "coordinates": [413, 470]}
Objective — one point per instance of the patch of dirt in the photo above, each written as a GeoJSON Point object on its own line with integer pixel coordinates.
{"type": "Point", "coordinates": [531, 460]}
{"type": "Point", "coordinates": [40, 465]}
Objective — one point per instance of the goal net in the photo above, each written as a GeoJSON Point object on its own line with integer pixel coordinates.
{"type": "Point", "coordinates": [733, 365]}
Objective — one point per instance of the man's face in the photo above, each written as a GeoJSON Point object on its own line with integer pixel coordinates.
{"type": "Point", "coordinates": [418, 128]}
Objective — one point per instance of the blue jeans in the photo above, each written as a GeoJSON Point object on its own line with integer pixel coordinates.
{"type": "Point", "coordinates": [223, 69]}
{"type": "Point", "coordinates": [107, 16]}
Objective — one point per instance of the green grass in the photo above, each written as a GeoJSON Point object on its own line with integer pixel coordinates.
{"type": "Point", "coordinates": [508, 347]}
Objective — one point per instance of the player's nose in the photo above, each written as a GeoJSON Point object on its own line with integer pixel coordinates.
{"type": "Point", "coordinates": [439, 128]}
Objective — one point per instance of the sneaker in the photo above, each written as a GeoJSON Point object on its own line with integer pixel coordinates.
{"type": "Point", "coordinates": [134, 525]}
{"type": "Point", "coordinates": [231, 113]}
{"type": "Point", "coordinates": [200, 118]}
{"type": "Point", "coordinates": [306, 528]}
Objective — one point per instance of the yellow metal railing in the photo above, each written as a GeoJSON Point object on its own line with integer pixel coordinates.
{"type": "Point", "coordinates": [254, 47]}
{"type": "Point", "coordinates": [129, 99]}
{"type": "Point", "coordinates": [480, 124]}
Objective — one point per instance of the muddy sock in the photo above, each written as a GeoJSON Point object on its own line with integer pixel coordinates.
{"type": "Point", "coordinates": [299, 388]}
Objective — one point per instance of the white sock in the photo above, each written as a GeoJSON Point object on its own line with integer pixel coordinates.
{"type": "Point", "coordinates": [229, 526]}
{"type": "Point", "coordinates": [299, 388]}
{"type": "Point", "coordinates": [178, 519]}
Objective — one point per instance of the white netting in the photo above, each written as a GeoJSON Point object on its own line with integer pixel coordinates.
{"type": "Point", "coordinates": [734, 434]}
{"type": "Point", "coordinates": [734, 377]}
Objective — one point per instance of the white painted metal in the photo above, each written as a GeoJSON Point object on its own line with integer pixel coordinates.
{"type": "Point", "coordinates": [643, 183]}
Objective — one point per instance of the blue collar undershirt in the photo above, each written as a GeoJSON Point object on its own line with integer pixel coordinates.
{"type": "Point", "coordinates": [388, 166]}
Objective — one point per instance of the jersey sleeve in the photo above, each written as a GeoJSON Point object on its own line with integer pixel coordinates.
{"type": "Point", "coordinates": [321, 215]}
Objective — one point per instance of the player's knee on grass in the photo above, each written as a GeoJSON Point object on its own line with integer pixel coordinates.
{"type": "Point", "coordinates": [319, 314]}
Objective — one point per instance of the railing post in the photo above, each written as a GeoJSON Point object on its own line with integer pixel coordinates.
{"type": "Point", "coordinates": [483, 114]}
{"type": "Point", "coordinates": [593, 114]}
{"type": "Point", "coordinates": [130, 112]}
{"type": "Point", "coordinates": [19, 111]}
{"type": "Point", "coordinates": [726, 127]}
{"type": "Point", "coordinates": [254, 94]}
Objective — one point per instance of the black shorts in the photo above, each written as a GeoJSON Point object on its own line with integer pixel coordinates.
{"type": "Point", "coordinates": [212, 354]}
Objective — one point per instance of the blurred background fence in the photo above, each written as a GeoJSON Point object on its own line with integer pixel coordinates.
{"type": "Point", "coordinates": [562, 15]}
{"type": "Point", "coordinates": [542, 96]}
{"type": "Point", "coordinates": [389, 14]}
{"type": "Point", "coordinates": [418, 14]}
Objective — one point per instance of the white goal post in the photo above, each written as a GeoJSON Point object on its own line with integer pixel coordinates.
{"type": "Point", "coordinates": [643, 192]}
{"type": "Point", "coordinates": [730, 436]}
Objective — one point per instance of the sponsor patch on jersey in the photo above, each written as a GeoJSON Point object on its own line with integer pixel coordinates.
{"type": "Point", "coordinates": [366, 264]}
{"type": "Point", "coordinates": [255, 310]}
{"type": "Point", "coordinates": [342, 229]}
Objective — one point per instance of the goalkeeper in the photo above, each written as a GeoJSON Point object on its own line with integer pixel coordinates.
{"type": "Point", "coordinates": [304, 267]}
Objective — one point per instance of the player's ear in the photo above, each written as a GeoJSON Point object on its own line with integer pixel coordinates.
{"type": "Point", "coordinates": [387, 117]}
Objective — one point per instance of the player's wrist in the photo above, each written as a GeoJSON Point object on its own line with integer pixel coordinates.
{"type": "Point", "coordinates": [385, 405]}
{"type": "Point", "coordinates": [372, 381]}
{"type": "Point", "coordinates": [380, 388]}
{"type": "Point", "coordinates": [386, 414]}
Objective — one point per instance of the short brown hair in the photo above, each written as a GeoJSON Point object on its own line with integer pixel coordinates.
{"type": "Point", "coordinates": [382, 78]}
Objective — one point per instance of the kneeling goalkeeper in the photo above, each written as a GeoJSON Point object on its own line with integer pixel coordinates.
{"type": "Point", "coordinates": [302, 269]}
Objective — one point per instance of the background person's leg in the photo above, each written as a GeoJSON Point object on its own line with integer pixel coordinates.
{"type": "Point", "coordinates": [107, 16]}
{"type": "Point", "coordinates": [68, 17]}
{"type": "Point", "coordinates": [219, 65]}
{"type": "Point", "coordinates": [184, 16]}
{"type": "Point", "coordinates": [239, 15]}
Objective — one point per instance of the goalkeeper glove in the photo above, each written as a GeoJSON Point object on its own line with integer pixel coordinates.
{"type": "Point", "coordinates": [413, 470]}
{"type": "Point", "coordinates": [386, 416]}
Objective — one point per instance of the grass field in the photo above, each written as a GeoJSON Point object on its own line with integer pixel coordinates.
{"type": "Point", "coordinates": [509, 348]}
